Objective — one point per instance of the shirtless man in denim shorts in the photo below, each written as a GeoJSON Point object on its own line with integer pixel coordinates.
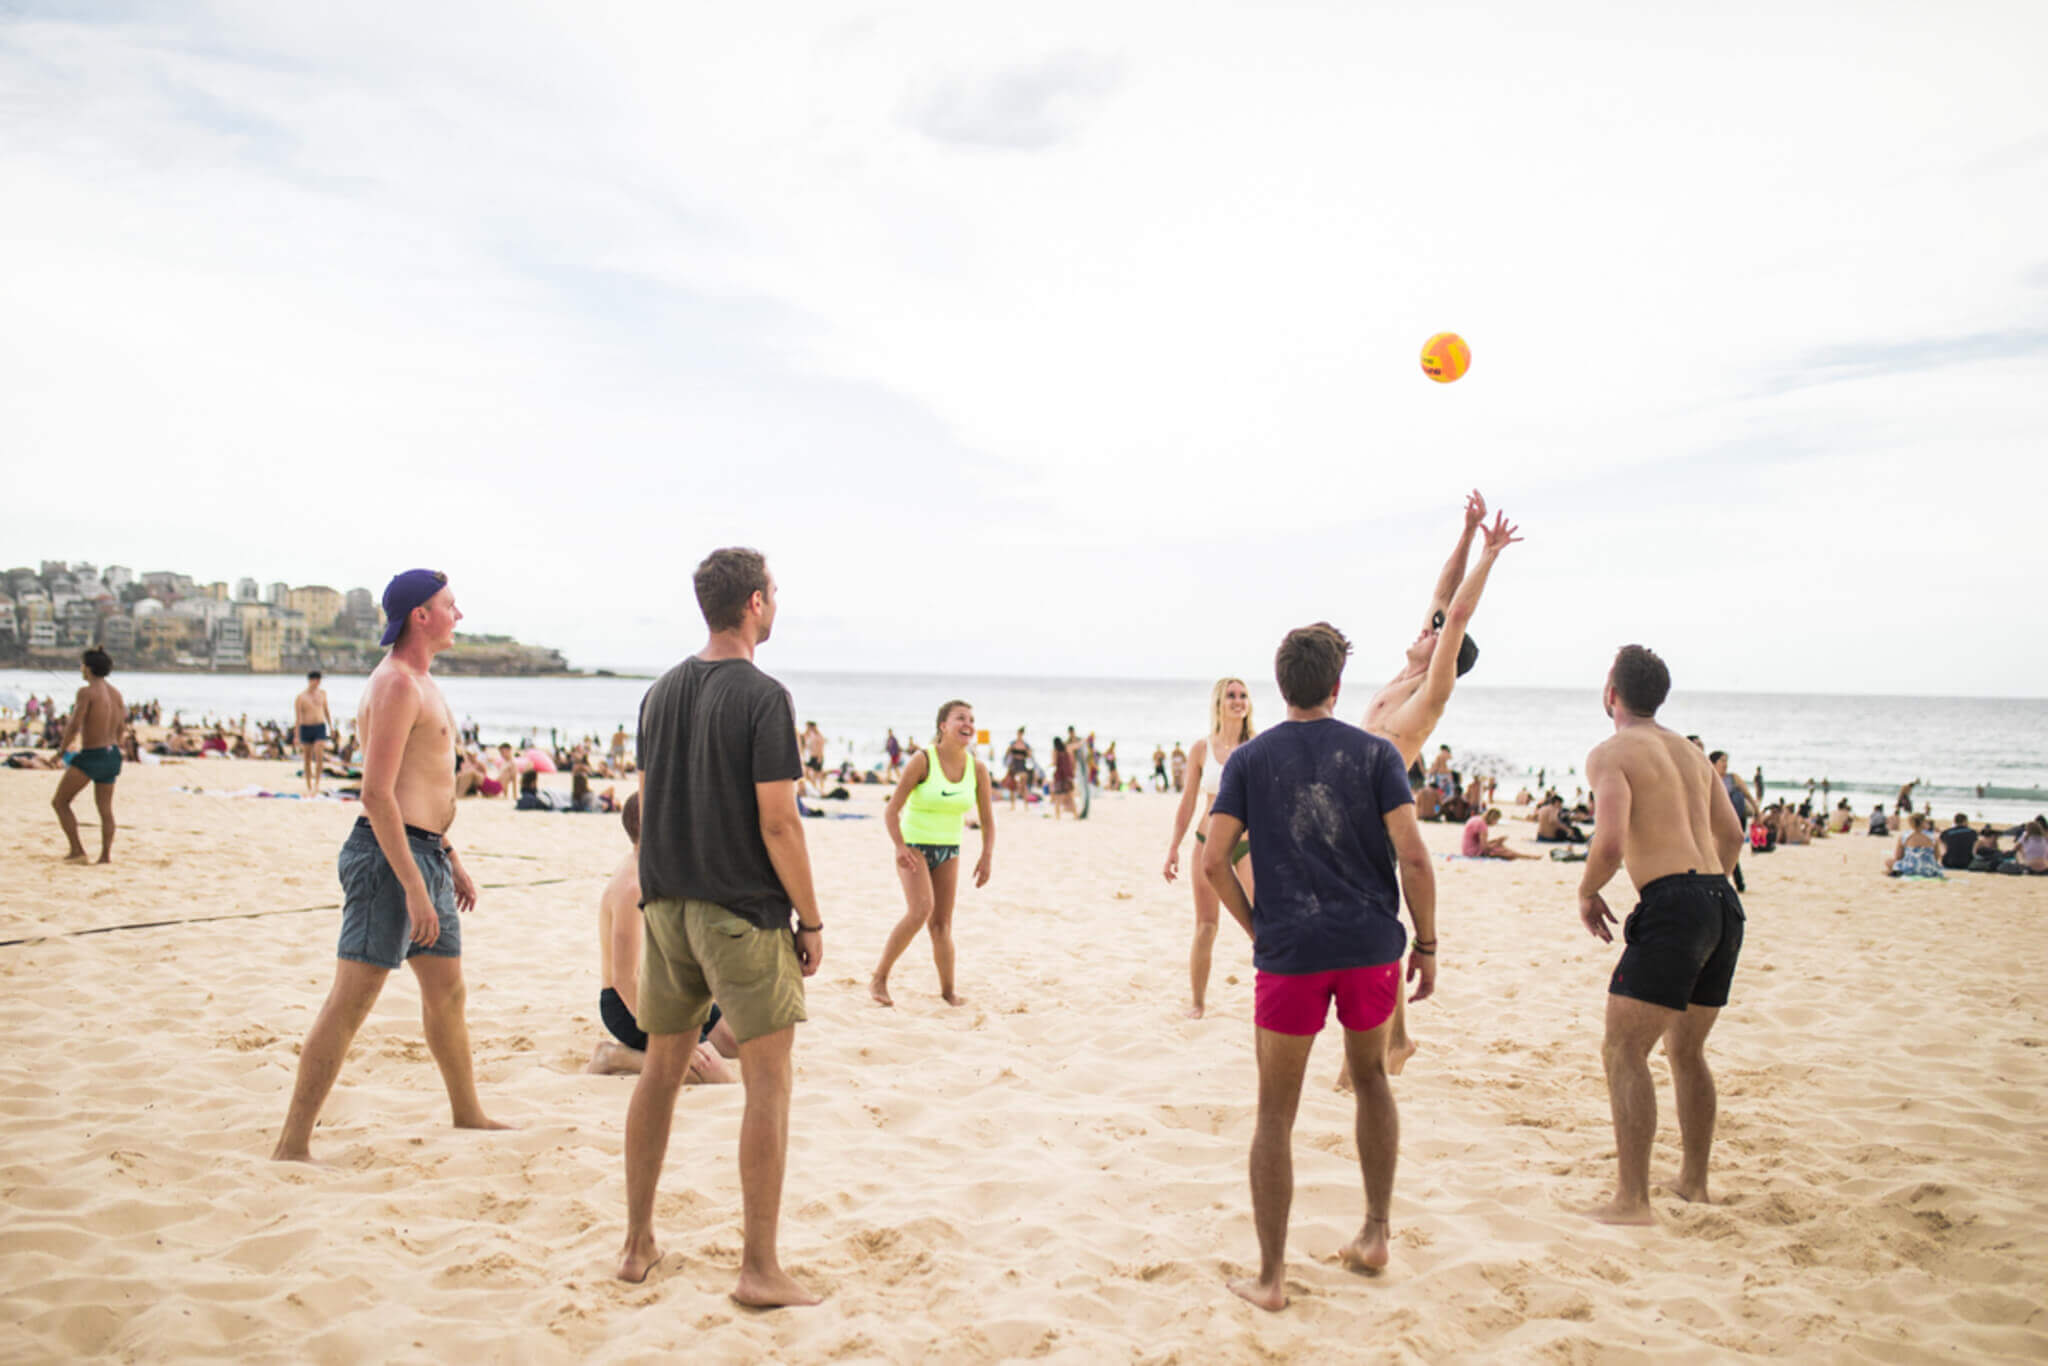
{"type": "Point", "coordinates": [402, 882]}
{"type": "Point", "coordinates": [1664, 815]}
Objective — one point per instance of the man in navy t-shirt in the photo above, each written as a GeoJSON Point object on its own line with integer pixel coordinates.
{"type": "Point", "coordinates": [1330, 816]}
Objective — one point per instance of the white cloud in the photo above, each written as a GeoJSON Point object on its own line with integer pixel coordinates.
{"type": "Point", "coordinates": [1106, 320]}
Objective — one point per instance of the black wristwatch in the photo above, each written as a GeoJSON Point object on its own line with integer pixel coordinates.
{"type": "Point", "coordinates": [802, 928]}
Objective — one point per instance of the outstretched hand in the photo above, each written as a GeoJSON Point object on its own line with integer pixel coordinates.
{"type": "Point", "coordinates": [1475, 510]}
{"type": "Point", "coordinates": [1501, 535]}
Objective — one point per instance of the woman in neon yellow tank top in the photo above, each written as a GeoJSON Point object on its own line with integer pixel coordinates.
{"type": "Point", "coordinates": [924, 819]}
{"type": "Point", "coordinates": [1230, 725]}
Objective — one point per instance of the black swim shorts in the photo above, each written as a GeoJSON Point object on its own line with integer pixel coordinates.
{"type": "Point", "coordinates": [1683, 939]}
{"type": "Point", "coordinates": [611, 1008]}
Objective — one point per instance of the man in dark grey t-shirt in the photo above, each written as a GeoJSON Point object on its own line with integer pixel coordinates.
{"type": "Point", "coordinates": [722, 866]}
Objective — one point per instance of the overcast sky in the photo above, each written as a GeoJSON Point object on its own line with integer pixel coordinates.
{"type": "Point", "coordinates": [1055, 339]}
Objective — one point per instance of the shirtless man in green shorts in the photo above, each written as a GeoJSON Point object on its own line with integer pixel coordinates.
{"type": "Point", "coordinates": [97, 716]}
{"type": "Point", "coordinates": [1407, 709]}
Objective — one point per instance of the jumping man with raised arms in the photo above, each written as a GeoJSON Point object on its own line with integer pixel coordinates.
{"type": "Point", "coordinates": [1406, 710]}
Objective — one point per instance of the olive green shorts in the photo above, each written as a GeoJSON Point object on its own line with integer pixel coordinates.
{"type": "Point", "coordinates": [696, 952]}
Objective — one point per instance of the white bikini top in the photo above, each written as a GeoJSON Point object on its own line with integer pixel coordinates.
{"type": "Point", "coordinates": [1212, 774]}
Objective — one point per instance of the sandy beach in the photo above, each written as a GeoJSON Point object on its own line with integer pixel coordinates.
{"type": "Point", "coordinates": [1055, 1170]}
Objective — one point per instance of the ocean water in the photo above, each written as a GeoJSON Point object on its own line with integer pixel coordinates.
{"type": "Point", "coordinates": [1865, 746]}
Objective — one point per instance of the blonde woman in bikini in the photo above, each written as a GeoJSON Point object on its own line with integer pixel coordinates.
{"type": "Point", "coordinates": [925, 816]}
{"type": "Point", "coordinates": [1230, 725]}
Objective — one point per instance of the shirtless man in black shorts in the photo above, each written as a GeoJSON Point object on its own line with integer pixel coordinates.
{"type": "Point", "coordinates": [1664, 816]}
{"type": "Point", "coordinates": [311, 714]}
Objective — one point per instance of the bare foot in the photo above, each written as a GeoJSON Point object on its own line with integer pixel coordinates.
{"type": "Point", "coordinates": [305, 1155]}
{"type": "Point", "coordinates": [636, 1262]}
{"type": "Point", "coordinates": [770, 1290]}
{"type": "Point", "coordinates": [78, 857]}
{"type": "Point", "coordinates": [1686, 1191]}
{"type": "Point", "coordinates": [953, 998]}
{"type": "Point", "coordinates": [1398, 1054]}
{"type": "Point", "coordinates": [1272, 1298]}
{"type": "Point", "coordinates": [610, 1059]}
{"type": "Point", "coordinates": [1614, 1212]}
{"type": "Point", "coordinates": [1367, 1253]}
{"type": "Point", "coordinates": [106, 858]}
{"type": "Point", "coordinates": [878, 987]}
{"type": "Point", "coordinates": [481, 1122]}
{"type": "Point", "coordinates": [1195, 1011]}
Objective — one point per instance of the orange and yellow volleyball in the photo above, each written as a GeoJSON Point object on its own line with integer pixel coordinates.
{"type": "Point", "coordinates": [1445, 357]}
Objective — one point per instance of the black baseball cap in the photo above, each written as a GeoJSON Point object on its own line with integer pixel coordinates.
{"type": "Point", "coordinates": [1468, 649]}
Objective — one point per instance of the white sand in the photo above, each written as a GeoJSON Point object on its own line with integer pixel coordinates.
{"type": "Point", "coordinates": [1055, 1170]}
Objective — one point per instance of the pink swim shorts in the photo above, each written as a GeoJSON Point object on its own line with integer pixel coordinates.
{"type": "Point", "coordinates": [1299, 1003]}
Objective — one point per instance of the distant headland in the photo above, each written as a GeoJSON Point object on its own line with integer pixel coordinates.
{"type": "Point", "coordinates": [171, 623]}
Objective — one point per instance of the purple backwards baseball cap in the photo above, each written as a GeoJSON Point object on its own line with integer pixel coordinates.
{"type": "Point", "coordinates": [405, 592]}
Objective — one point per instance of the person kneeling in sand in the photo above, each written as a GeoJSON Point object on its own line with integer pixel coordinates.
{"type": "Point", "coordinates": [1329, 813]}
{"type": "Point", "coordinates": [620, 932]}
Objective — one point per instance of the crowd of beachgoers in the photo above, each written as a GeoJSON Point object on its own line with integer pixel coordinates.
{"type": "Point", "coordinates": [1075, 764]}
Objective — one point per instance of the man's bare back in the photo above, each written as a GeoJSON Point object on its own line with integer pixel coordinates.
{"type": "Point", "coordinates": [101, 714]}
{"type": "Point", "coordinates": [1660, 790]}
{"type": "Point", "coordinates": [617, 907]}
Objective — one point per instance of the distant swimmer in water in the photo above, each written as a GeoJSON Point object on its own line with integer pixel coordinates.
{"type": "Point", "coordinates": [1407, 709]}
{"type": "Point", "coordinates": [1230, 725]}
{"type": "Point", "coordinates": [1665, 816]}
{"type": "Point", "coordinates": [925, 816]}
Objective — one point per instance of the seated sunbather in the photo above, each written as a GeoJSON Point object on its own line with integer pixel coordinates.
{"type": "Point", "coordinates": [1480, 842]}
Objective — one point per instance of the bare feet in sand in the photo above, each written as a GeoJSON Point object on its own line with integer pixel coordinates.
{"type": "Point", "coordinates": [1195, 1011]}
{"type": "Point", "coordinates": [953, 998]}
{"type": "Point", "coordinates": [878, 987]}
{"type": "Point", "coordinates": [636, 1262]}
{"type": "Point", "coordinates": [1615, 1212]}
{"type": "Point", "coordinates": [1686, 1191]}
{"type": "Point", "coordinates": [481, 1122]}
{"type": "Point", "coordinates": [1367, 1253]}
{"type": "Point", "coordinates": [1271, 1298]}
{"type": "Point", "coordinates": [770, 1290]}
{"type": "Point", "coordinates": [78, 857]}
{"type": "Point", "coordinates": [610, 1059]}
{"type": "Point", "coordinates": [1398, 1055]}
{"type": "Point", "coordinates": [304, 1155]}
